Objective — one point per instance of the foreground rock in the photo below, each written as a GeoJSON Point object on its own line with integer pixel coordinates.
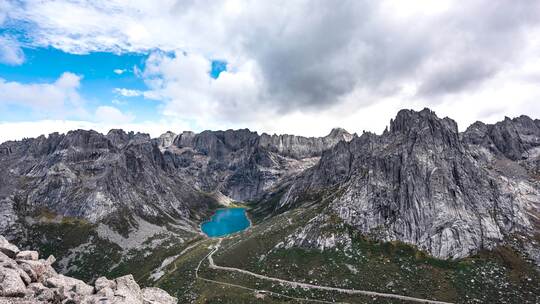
{"type": "Point", "coordinates": [24, 278]}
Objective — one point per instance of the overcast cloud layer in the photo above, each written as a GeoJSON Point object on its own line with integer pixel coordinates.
{"type": "Point", "coordinates": [299, 66]}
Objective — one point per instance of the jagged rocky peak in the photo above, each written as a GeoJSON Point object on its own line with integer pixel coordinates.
{"type": "Point", "coordinates": [85, 139]}
{"type": "Point", "coordinates": [79, 140]}
{"type": "Point", "coordinates": [302, 147]}
{"type": "Point", "coordinates": [237, 139]}
{"type": "Point", "coordinates": [419, 184]}
{"type": "Point", "coordinates": [120, 138]}
{"type": "Point", "coordinates": [425, 126]}
{"type": "Point", "coordinates": [476, 133]}
{"type": "Point", "coordinates": [25, 278]}
{"type": "Point", "coordinates": [219, 144]}
{"type": "Point", "coordinates": [166, 139]}
{"type": "Point", "coordinates": [517, 138]}
{"type": "Point", "coordinates": [43, 145]}
{"type": "Point", "coordinates": [184, 139]}
{"type": "Point", "coordinates": [410, 120]}
{"type": "Point", "coordinates": [340, 134]}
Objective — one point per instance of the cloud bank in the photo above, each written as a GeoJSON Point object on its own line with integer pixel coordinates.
{"type": "Point", "coordinates": [306, 66]}
{"type": "Point", "coordinates": [55, 98]}
{"type": "Point", "coordinates": [10, 51]}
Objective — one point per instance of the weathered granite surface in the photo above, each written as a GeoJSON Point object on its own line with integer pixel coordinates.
{"type": "Point", "coordinates": [424, 183]}
{"type": "Point", "coordinates": [24, 278]}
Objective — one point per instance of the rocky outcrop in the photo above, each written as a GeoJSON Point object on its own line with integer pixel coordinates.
{"type": "Point", "coordinates": [166, 139]}
{"type": "Point", "coordinates": [242, 164]}
{"type": "Point", "coordinates": [424, 183]}
{"type": "Point", "coordinates": [24, 278]}
{"type": "Point", "coordinates": [515, 139]}
{"type": "Point", "coordinates": [302, 147]}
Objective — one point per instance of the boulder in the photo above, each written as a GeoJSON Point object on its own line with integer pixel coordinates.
{"type": "Point", "coordinates": [51, 259]}
{"type": "Point", "coordinates": [4, 258]}
{"type": "Point", "coordinates": [105, 288]}
{"type": "Point", "coordinates": [103, 282]}
{"type": "Point", "coordinates": [106, 292]}
{"type": "Point", "coordinates": [40, 292]}
{"type": "Point", "coordinates": [39, 270]}
{"type": "Point", "coordinates": [128, 290]}
{"type": "Point", "coordinates": [27, 255]}
{"type": "Point", "coordinates": [7, 248]}
{"type": "Point", "coordinates": [11, 284]}
{"type": "Point", "coordinates": [24, 276]}
{"type": "Point", "coordinates": [69, 285]}
{"type": "Point", "coordinates": [152, 295]}
{"type": "Point", "coordinates": [26, 279]}
{"type": "Point", "coordinates": [5, 261]}
{"type": "Point", "coordinates": [29, 271]}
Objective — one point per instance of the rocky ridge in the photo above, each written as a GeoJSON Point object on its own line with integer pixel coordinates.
{"type": "Point", "coordinates": [127, 192]}
{"type": "Point", "coordinates": [24, 278]}
{"type": "Point", "coordinates": [423, 183]}
{"type": "Point", "coordinates": [242, 164]}
{"type": "Point", "coordinates": [119, 176]}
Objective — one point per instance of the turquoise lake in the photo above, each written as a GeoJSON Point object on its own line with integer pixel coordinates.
{"type": "Point", "coordinates": [225, 222]}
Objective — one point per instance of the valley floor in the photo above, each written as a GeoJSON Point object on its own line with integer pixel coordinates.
{"type": "Point", "coordinates": [264, 265]}
{"type": "Point", "coordinates": [249, 268]}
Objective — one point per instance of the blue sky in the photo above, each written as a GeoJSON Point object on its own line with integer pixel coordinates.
{"type": "Point", "coordinates": [284, 66]}
{"type": "Point", "coordinates": [101, 74]}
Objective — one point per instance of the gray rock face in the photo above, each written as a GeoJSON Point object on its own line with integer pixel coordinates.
{"type": "Point", "coordinates": [515, 139]}
{"type": "Point", "coordinates": [17, 287]}
{"type": "Point", "coordinates": [423, 183]}
{"type": "Point", "coordinates": [301, 147]}
{"type": "Point", "coordinates": [116, 177]}
{"type": "Point", "coordinates": [98, 178]}
{"type": "Point", "coordinates": [243, 165]}
{"type": "Point", "coordinates": [166, 139]}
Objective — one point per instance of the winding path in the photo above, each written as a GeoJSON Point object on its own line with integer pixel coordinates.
{"type": "Point", "coordinates": [209, 256]}
{"type": "Point", "coordinates": [157, 273]}
{"type": "Point", "coordinates": [252, 289]}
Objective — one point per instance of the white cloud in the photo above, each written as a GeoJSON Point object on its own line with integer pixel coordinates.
{"type": "Point", "coordinates": [183, 83]}
{"type": "Point", "coordinates": [119, 102]}
{"type": "Point", "coordinates": [119, 71]}
{"type": "Point", "coordinates": [306, 66]}
{"type": "Point", "coordinates": [5, 7]}
{"type": "Point", "coordinates": [112, 115]}
{"type": "Point", "coordinates": [56, 99]}
{"type": "Point", "coordinates": [118, 25]}
{"type": "Point", "coordinates": [10, 51]}
{"type": "Point", "coordinates": [127, 92]}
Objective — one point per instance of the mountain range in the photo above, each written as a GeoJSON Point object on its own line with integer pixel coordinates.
{"type": "Point", "coordinates": [124, 202]}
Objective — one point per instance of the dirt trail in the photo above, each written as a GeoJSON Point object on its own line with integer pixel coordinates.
{"type": "Point", "coordinates": [312, 286]}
